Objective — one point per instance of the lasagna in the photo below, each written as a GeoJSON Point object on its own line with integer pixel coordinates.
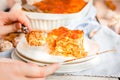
{"type": "Point", "coordinates": [60, 6]}
{"type": "Point", "coordinates": [65, 42]}
{"type": "Point", "coordinates": [61, 42]}
{"type": "Point", "coordinates": [36, 38]}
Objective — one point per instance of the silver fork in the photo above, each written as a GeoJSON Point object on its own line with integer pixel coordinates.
{"type": "Point", "coordinates": [102, 52]}
{"type": "Point", "coordinates": [28, 7]}
{"type": "Point", "coordinates": [25, 29]}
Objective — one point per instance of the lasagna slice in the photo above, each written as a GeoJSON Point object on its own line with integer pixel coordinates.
{"type": "Point", "coordinates": [68, 43]}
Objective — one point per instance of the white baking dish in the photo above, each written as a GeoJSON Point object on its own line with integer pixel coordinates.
{"type": "Point", "coordinates": [49, 21]}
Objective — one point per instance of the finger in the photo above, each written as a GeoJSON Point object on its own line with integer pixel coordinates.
{"type": "Point", "coordinates": [18, 26]}
{"type": "Point", "coordinates": [5, 60]}
{"type": "Point", "coordinates": [48, 70]}
{"type": "Point", "coordinates": [15, 27]}
{"type": "Point", "coordinates": [23, 20]}
{"type": "Point", "coordinates": [36, 79]}
{"type": "Point", "coordinates": [31, 64]}
{"type": "Point", "coordinates": [36, 71]}
{"type": "Point", "coordinates": [10, 60]}
{"type": "Point", "coordinates": [18, 15]}
{"type": "Point", "coordinates": [8, 29]}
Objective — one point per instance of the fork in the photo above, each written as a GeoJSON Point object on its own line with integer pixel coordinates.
{"type": "Point", "coordinates": [28, 7]}
{"type": "Point", "coordinates": [25, 29]}
{"type": "Point", "coordinates": [102, 52]}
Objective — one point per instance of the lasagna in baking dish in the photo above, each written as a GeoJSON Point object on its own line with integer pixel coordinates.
{"type": "Point", "coordinates": [61, 42]}
{"type": "Point", "coordinates": [60, 6]}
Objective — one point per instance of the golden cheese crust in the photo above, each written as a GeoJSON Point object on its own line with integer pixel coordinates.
{"type": "Point", "coordinates": [64, 42]}
{"type": "Point", "coordinates": [60, 6]}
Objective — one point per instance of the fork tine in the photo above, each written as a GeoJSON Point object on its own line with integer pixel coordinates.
{"type": "Point", "coordinates": [30, 8]}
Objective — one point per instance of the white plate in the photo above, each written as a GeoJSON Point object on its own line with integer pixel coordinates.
{"type": "Point", "coordinates": [16, 56]}
{"type": "Point", "coordinates": [63, 63]}
{"type": "Point", "coordinates": [70, 67]}
{"type": "Point", "coordinates": [41, 53]}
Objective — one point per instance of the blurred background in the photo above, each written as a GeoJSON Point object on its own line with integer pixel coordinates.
{"type": "Point", "coordinates": [108, 11]}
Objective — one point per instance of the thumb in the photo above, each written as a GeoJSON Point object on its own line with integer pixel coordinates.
{"type": "Point", "coordinates": [33, 71]}
{"type": "Point", "coordinates": [9, 28]}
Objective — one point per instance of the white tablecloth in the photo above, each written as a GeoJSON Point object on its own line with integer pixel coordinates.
{"type": "Point", "coordinates": [78, 78]}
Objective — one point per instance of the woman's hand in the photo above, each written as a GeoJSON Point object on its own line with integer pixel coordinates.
{"type": "Point", "coordinates": [11, 21]}
{"type": "Point", "coordinates": [16, 70]}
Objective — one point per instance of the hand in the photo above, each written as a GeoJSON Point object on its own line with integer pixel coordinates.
{"type": "Point", "coordinates": [11, 21]}
{"type": "Point", "coordinates": [11, 3]}
{"type": "Point", "coordinates": [16, 70]}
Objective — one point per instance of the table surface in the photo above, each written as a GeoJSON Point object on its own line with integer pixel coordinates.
{"type": "Point", "coordinates": [78, 78]}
